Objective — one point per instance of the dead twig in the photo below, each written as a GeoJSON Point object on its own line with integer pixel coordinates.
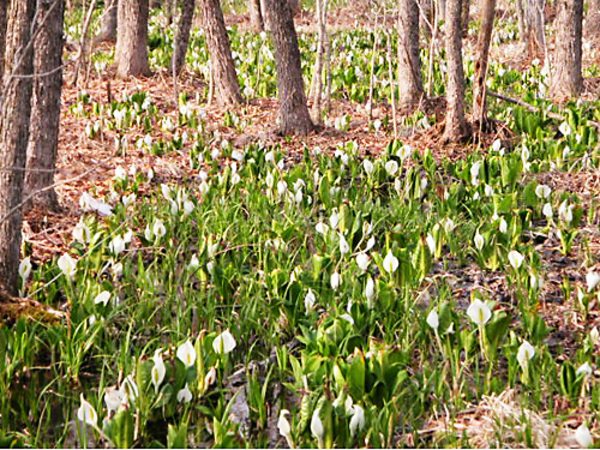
{"type": "Point", "coordinates": [532, 108]}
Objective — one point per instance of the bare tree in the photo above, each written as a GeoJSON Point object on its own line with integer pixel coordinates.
{"type": "Point", "coordinates": [182, 38]}
{"type": "Point", "coordinates": [533, 25]}
{"type": "Point", "coordinates": [14, 131]}
{"type": "Point", "coordinates": [441, 9]}
{"type": "Point", "coordinates": [410, 78]}
{"type": "Point", "coordinates": [256, 18]}
{"type": "Point", "coordinates": [592, 22]}
{"type": "Point", "coordinates": [294, 117]}
{"type": "Point", "coordinates": [456, 123]}
{"type": "Point", "coordinates": [488, 10]}
{"type": "Point", "coordinates": [131, 53]}
{"type": "Point", "coordinates": [316, 89]}
{"type": "Point", "coordinates": [464, 17]}
{"type": "Point", "coordinates": [108, 31]}
{"type": "Point", "coordinates": [567, 79]}
{"type": "Point", "coordinates": [3, 8]}
{"type": "Point", "coordinates": [223, 74]}
{"type": "Point", "coordinates": [45, 107]}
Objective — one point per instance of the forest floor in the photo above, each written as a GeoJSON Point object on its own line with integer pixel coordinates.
{"type": "Point", "coordinates": [88, 165]}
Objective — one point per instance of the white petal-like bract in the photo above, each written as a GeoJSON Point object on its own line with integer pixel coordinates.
{"type": "Point", "coordinates": [479, 312]}
{"type": "Point", "coordinates": [224, 343]}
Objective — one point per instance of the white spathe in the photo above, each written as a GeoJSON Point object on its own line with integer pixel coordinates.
{"type": "Point", "coordinates": [186, 353]}
{"type": "Point", "coordinates": [479, 312]}
{"type": "Point", "coordinates": [224, 343]}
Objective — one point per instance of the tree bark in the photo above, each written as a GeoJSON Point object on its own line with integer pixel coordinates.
{"type": "Point", "coordinates": [182, 39]}
{"type": "Point", "coordinates": [441, 8]}
{"type": "Point", "coordinates": [426, 17]}
{"type": "Point", "coordinates": [256, 19]}
{"type": "Point", "coordinates": [295, 6]}
{"type": "Point", "coordinates": [592, 23]}
{"type": "Point", "coordinates": [488, 10]}
{"type": "Point", "coordinates": [3, 11]}
{"type": "Point", "coordinates": [14, 130]}
{"type": "Point", "coordinates": [45, 107]}
{"type": "Point", "coordinates": [131, 54]}
{"type": "Point", "coordinates": [316, 89]}
{"type": "Point", "coordinates": [534, 20]}
{"type": "Point", "coordinates": [293, 112]}
{"type": "Point", "coordinates": [464, 17]}
{"type": "Point", "coordinates": [108, 32]}
{"type": "Point", "coordinates": [410, 79]}
{"type": "Point", "coordinates": [222, 67]}
{"type": "Point", "coordinates": [456, 123]}
{"type": "Point", "coordinates": [567, 79]}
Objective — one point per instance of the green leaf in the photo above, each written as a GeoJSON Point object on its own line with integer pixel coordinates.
{"type": "Point", "coordinates": [177, 436]}
{"type": "Point", "coordinates": [120, 429]}
{"type": "Point", "coordinates": [356, 375]}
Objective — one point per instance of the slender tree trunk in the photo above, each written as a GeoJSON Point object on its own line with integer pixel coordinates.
{"type": "Point", "coordinates": [45, 108]}
{"type": "Point", "coordinates": [523, 37]}
{"type": "Point", "coordinates": [592, 23]}
{"type": "Point", "coordinates": [456, 123]}
{"type": "Point", "coordinates": [410, 78]}
{"type": "Point", "coordinates": [131, 53]}
{"type": "Point", "coordinates": [14, 132]}
{"type": "Point", "coordinates": [293, 112]}
{"type": "Point", "coordinates": [567, 80]}
{"type": "Point", "coordinates": [317, 82]}
{"type": "Point", "coordinates": [426, 16]}
{"type": "Point", "coordinates": [435, 29]}
{"type": "Point", "coordinates": [183, 35]}
{"type": "Point", "coordinates": [221, 62]}
{"type": "Point", "coordinates": [256, 18]}
{"type": "Point", "coordinates": [441, 7]}
{"type": "Point", "coordinates": [82, 55]}
{"type": "Point", "coordinates": [108, 32]}
{"type": "Point", "coordinates": [534, 19]}
{"type": "Point", "coordinates": [265, 14]}
{"type": "Point", "coordinates": [3, 10]}
{"type": "Point", "coordinates": [488, 10]}
{"type": "Point", "coordinates": [464, 17]}
{"type": "Point", "coordinates": [171, 11]}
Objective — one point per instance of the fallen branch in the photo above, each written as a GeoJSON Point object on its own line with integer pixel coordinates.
{"type": "Point", "coordinates": [532, 108]}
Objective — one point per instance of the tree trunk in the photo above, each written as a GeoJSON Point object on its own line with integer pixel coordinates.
{"type": "Point", "coordinates": [426, 17]}
{"type": "Point", "coordinates": [183, 34]}
{"type": "Point", "coordinates": [221, 62]}
{"type": "Point", "coordinates": [316, 89]}
{"type": "Point", "coordinates": [567, 79]}
{"type": "Point", "coordinates": [14, 132]}
{"type": "Point", "coordinates": [3, 8]}
{"type": "Point", "coordinates": [534, 20]}
{"type": "Point", "coordinates": [108, 32]}
{"type": "Point", "coordinates": [295, 6]}
{"type": "Point", "coordinates": [410, 79]}
{"type": "Point", "coordinates": [265, 14]}
{"type": "Point", "coordinates": [293, 112]}
{"type": "Point", "coordinates": [256, 19]}
{"type": "Point", "coordinates": [488, 10]}
{"type": "Point", "coordinates": [592, 23]}
{"type": "Point", "coordinates": [45, 107]}
{"type": "Point", "coordinates": [523, 38]}
{"type": "Point", "coordinates": [464, 17]}
{"type": "Point", "coordinates": [456, 123]}
{"type": "Point", "coordinates": [441, 9]}
{"type": "Point", "coordinates": [131, 54]}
